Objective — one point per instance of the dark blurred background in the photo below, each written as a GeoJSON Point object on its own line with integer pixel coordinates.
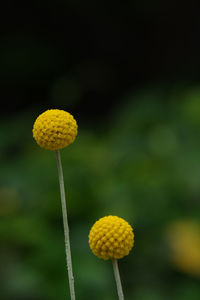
{"type": "Point", "coordinates": [130, 74]}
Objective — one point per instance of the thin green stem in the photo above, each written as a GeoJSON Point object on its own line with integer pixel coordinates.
{"type": "Point", "coordinates": [66, 227]}
{"type": "Point", "coordinates": [117, 279]}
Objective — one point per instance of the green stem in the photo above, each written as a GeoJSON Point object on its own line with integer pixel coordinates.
{"type": "Point", "coordinates": [117, 279]}
{"type": "Point", "coordinates": [66, 227]}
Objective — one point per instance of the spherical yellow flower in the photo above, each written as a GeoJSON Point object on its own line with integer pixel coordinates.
{"type": "Point", "coordinates": [111, 237]}
{"type": "Point", "coordinates": [55, 129]}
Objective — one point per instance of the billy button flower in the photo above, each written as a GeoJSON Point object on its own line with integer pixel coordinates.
{"type": "Point", "coordinates": [55, 129]}
{"type": "Point", "coordinates": [112, 238]}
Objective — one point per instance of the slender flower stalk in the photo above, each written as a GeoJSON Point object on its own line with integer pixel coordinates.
{"type": "Point", "coordinates": [55, 129]}
{"type": "Point", "coordinates": [65, 224]}
{"type": "Point", "coordinates": [117, 279]}
{"type": "Point", "coordinates": [112, 238]}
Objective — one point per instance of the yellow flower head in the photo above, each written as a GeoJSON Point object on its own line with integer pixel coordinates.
{"type": "Point", "coordinates": [111, 237]}
{"type": "Point", "coordinates": [55, 129]}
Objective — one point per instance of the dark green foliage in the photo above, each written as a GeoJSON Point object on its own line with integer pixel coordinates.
{"type": "Point", "coordinates": [142, 164]}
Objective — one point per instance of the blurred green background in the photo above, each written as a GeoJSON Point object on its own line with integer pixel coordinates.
{"type": "Point", "coordinates": [142, 164]}
{"type": "Point", "coordinates": [130, 76]}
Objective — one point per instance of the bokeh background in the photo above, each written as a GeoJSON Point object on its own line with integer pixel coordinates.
{"type": "Point", "coordinates": [130, 75]}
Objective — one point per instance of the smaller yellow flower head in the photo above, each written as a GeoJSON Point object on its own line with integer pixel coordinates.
{"type": "Point", "coordinates": [111, 237]}
{"type": "Point", "coordinates": [55, 129]}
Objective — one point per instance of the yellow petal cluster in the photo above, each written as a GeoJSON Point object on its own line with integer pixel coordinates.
{"type": "Point", "coordinates": [55, 129]}
{"type": "Point", "coordinates": [111, 237]}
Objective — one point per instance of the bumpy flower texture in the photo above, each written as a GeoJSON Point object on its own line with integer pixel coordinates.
{"type": "Point", "coordinates": [111, 237]}
{"type": "Point", "coordinates": [55, 129]}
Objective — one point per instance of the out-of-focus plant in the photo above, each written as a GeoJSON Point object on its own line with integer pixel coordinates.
{"type": "Point", "coordinates": [183, 238]}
